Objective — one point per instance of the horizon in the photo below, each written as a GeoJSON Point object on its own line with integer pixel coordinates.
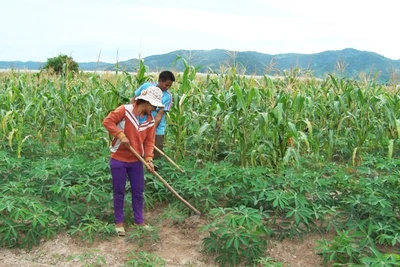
{"type": "Point", "coordinates": [194, 50]}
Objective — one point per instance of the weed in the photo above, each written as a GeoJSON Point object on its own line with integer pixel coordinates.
{"type": "Point", "coordinates": [144, 234]}
{"type": "Point", "coordinates": [89, 259]}
{"type": "Point", "coordinates": [144, 259]}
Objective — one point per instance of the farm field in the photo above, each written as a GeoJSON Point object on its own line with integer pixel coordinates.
{"type": "Point", "coordinates": [286, 172]}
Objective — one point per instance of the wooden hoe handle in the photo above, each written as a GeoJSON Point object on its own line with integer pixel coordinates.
{"type": "Point", "coordinates": [169, 159]}
{"type": "Point", "coordinates": [165, 182]}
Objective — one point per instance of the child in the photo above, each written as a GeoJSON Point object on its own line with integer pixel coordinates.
{"type": "Point", "coordinates": [132, 125]}
{"type": "Point", "coordinates": [165, 81]}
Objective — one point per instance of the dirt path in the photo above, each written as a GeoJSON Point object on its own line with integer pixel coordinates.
{"type": "Point", "coordinates": [178, 246]}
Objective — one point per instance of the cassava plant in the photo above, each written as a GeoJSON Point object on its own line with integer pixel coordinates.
{"type": "Point", "coordinates": [237, 235]}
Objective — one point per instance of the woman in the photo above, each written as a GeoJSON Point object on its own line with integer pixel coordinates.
{"type": "Point", "coordinates": [132, 125]}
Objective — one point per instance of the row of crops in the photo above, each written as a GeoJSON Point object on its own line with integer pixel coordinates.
{"type": "Point", "coordinates": [267, 158]}
{"type": "Point", "coordinates": [250, 121]}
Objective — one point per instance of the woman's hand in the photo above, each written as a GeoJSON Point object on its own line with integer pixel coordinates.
{"type": "Point", "coordinates": [125, 141]}
{"type": "Point", "coordinates": [150, 166]}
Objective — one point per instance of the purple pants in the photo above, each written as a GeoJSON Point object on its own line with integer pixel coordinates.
{"type": "Point", "coordinates": [119, 172]}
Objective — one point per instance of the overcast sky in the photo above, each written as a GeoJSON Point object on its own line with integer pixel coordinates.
{"type": "Point", "coordinates": [111, 30]}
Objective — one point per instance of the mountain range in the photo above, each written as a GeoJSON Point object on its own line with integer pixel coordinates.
{"type": "Point", "coordinates": [348, 62]}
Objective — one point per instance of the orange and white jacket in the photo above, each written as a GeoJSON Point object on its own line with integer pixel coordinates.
{"type": "Point", "coordinates": [123, 121]}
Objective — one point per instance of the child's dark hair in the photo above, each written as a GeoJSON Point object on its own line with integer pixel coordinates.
{"type": "Point", "coordinates": [166, 75]}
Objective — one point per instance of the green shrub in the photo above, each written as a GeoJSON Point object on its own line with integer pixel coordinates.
{"type": "Point", "coordinates": [61, 64]}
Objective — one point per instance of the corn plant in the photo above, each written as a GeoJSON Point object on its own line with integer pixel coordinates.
{"type": "Point", "coordinates": [179, 118]}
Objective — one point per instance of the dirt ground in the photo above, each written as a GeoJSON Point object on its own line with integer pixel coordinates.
{"type": "Point", "coordinates": [178, 245]}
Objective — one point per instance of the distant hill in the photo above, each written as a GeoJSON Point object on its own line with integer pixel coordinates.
{"type": "Point", "coordinates": [347, 63]}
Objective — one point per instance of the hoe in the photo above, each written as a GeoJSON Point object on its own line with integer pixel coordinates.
{"type": "Point", "coordinates": [165, 182]}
